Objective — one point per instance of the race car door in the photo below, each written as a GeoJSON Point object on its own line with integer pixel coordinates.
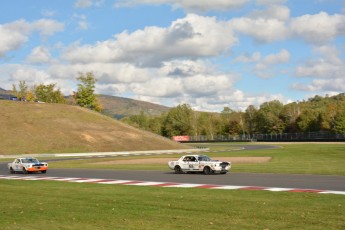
{"type": "Point", "coordinates": [17, 165]}
{"type": "Point", "coordinates": [193, 164]}
{"type": "Point", "coordinates": [185, 163]}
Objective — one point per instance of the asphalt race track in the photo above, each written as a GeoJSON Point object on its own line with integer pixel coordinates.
{"type": "Point", "coordinates": [320, 182]}
{"type": "Point", "coordinates": [336, 183]}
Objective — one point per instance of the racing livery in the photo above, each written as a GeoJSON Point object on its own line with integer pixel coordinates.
{"type": "Point", "coordinates": [199, 163]}
{"type": "Point", "coordinates": [27, 165]}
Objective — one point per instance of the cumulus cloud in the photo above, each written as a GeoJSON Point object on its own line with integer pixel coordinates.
{"type": "Point", "coordinates": [47, 27]}
{"type": "Point", "coordinates": [15, 34]}
{"type": "Point", "coordinates": [266, 66]}
{"type": "Point", "coordinates": [327, 70]}
{"type": "Point", "coordinates": [83, 3]}
{"type": "Point", "coordinates": [278, 12]}
{"type": "Point", "coordinates": [318, 28]}
{"type": "Point", "coordinates": [191, 37]}
{"type": "Point", "coordinates": [188, 5]}
{"type": "Point", "coordinates": [327, 64]}
{"type": "Point", "coordinates": [29, 74]}
{"type": "Point", "coordinates": [11, 39]}
{"type": "Point", "coordinates": [39, 55]}
{"type": "Point", "coordinates": [322, 85]}
{"type": "Point", "coordinates": [282, 57]}
{"type": "Point", "coordinates": [264, 26]}
{"type": "Point", "coordinates": [270, 2]}
{"type": "Point", "coordinates": [174, 64]}
{"type": "Point", "coordinates": [255, 57]}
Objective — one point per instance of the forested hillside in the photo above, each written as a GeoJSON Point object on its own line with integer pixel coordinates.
{"type": "Point", "coordinates": [313, 115]}
{"type": "Point", "coordinates": [273, 117]}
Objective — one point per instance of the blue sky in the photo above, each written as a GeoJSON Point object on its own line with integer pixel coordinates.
{"type": "Point", "coordinates": [209, 54]}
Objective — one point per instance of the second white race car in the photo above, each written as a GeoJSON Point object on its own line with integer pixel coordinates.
{"type": "Point", "coordinates": [199, 163]}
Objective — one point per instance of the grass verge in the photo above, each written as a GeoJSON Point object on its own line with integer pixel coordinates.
{"type": "Point", "coordinates": [324, 159]}
{"type": "Point", "coordinates": [63, 205]}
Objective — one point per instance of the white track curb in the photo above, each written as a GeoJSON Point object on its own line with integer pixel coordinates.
{"type": "Point", "coordinates": [169, 184]}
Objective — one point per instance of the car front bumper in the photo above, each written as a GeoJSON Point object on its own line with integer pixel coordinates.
{"type": "Point", "coordinates": [37, 169]}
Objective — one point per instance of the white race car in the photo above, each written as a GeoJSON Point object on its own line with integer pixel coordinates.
{"type": "Point", "coordinates": [199, 163]}
{"type": "Point", "coordinates": [27, 165]}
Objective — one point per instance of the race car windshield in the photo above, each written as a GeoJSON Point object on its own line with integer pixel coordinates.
{"type": "Point", "coordinates": [204, 158]}
{"type": "Point", "coordinates": [30, 160]}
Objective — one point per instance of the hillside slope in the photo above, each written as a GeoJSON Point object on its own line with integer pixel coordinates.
{"type": "Point", "coordinates": [5, 94]}
{"type": "Point", "coordinates": [56, 128]}
{"type": "Point", "coordinates": [119, 107]}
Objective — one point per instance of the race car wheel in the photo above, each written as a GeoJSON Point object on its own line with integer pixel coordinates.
{"type": "Point", "coordinates": [44, 171]}
{"type": "Point", "coordinates": [24, 171]}
{"type": "Point", "coordinates": [178, 170]}
{"type": "Point", "coordinates": [207, 171]}
{"type": "Point", "coordinates": [12, 171]}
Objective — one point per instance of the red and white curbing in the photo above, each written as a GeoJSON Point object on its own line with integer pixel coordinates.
{"type": "Point", "coordinates": [168, 184]}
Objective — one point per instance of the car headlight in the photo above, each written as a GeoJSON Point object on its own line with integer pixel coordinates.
{"type": "Point", "coordinates": [29, 166]}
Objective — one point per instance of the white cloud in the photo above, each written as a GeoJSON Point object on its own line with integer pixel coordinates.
{"type": "Point", "coordinates": [88, 3]}
{"type": "Point", "coordinates": [278, 12]}
{"type": "Point", "coordinates": [83, 3]}
{"type": "Point", "coordinates": [322, 85]}
{"type": "Point", "coordinates": [321, 69]}
{"type": "Point", "coordinates": [160, 87]}
{"type": "Point", "coordinates": [270, 2]}
{"type": "Point", "coordinates": [82, 21]}
{"type": "Point", "coordinates": [255, 57]}
{"type": "Point", "coordinates": [266, 66]}
{"type": "Point", "coordinates": [189, 5]}
{"type": "Point", "coordinates": [29, 74]}
{"type": "Point", "coordinates": [282, 57]}
{"type": "Point", "coordinates": [13, 35]}
{"type": "Point", "coordinates": [10, 38]}
{"type": "Point", "coordinates": [327, 64]}
{"type": "Point", "coordinates": [318, 28]}
{"type": "Point", "coordinates": [47, 27]}
{"type": "Point", "coordinates": [327, 70]}
{"type": "Point", "coordinates": [263, 29]}
{"type": "Point", "coordinates": [39, 55]}
{"type": "Point", "coordinates": [191, 37]}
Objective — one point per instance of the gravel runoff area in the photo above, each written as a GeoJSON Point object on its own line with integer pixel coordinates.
{"type": "Point", "coordinates": [238, 160]}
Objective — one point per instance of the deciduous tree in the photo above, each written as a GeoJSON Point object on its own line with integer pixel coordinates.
{"type": "Point", "coordinates": [85, 96]}
{"type": "Point", "coordinates": [48, 93]}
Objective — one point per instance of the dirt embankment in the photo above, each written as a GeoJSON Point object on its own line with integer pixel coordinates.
{"type": "Point", "coordinates": [234, 160]}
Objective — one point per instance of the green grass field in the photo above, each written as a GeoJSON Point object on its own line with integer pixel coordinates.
{"type": "Point", "coordinates": [325, 159]}
{"type": "Point", "coordinates": [63, 205]}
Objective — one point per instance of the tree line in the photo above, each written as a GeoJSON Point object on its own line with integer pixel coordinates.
{"type": "Point", "coordinates": [273, 117]}
{"type": "Point", "coordinates": [48, 93]}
